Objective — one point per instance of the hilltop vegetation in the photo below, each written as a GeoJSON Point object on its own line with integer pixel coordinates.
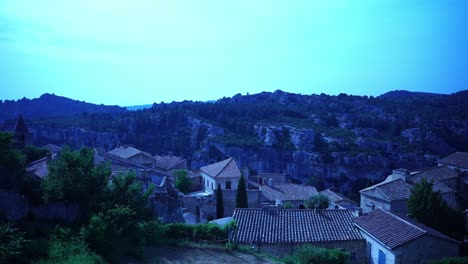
{"type": "Point", "coordinates": [333, 139]}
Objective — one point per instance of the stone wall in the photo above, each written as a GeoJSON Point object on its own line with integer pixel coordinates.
{"type": "Point", "coordinates": [426, 248]}
{"type": "Point", "coordinates": [355, 247]}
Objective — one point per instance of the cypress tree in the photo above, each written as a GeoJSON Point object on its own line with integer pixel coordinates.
{"type": "Point", "coordinates": [241, 194]}
{"type": "Point", "coordinates": [219, 202]}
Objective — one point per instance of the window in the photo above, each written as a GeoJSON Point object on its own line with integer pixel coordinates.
{"type": "Point", "coordinates": [369, 252]}
{"type": "Point", "coordinates": [228, 185]}
{"type": "Point", "coordinates": [381, 257]}
{"type": "Point", "coordinates": [212, 186]}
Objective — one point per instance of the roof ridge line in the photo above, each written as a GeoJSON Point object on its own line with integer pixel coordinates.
{"type": "Point", "coordinates": [407, 222]}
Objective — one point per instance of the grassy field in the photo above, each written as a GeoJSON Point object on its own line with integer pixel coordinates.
{"type": "Point", "coordinates": [182, 255]}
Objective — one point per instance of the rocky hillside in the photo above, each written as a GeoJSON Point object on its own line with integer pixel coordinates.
{"type": "Point", "coordinates": [49, 105]}
{"type": "Point", "coordinates": [342, 141]}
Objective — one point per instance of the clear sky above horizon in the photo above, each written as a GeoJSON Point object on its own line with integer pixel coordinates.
{"type": "Point", "coordinates": [143, 51]}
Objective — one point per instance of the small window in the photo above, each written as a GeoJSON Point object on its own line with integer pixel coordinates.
{"type": "Point", "coordinates": [212, 188]}
{"type": "Point", "coordinates": [381, 257]}
{"type": "Point", "coordinates": [228, 185]}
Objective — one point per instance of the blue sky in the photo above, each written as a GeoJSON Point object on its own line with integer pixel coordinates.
{"type": "Point", "coordinates": [144, 51]}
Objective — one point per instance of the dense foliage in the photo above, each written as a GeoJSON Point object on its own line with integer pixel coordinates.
{"type": "Point", "coordinates": [241, 194]}
{"type": "Point", "coordinates": [428, 207]}
{"type": "Point", "coordinates": [317, 202]}
{"type": "Point", "coordinates": [182, 182]}
{"type": "Point", "coordinates": [309, 254]}
{"type": "Point", "coordinates": [12, 243]}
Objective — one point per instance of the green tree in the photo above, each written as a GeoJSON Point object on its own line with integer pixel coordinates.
{"type": "Point", "coordinates": [12, 243]}
{"type": "Point", "coordinates": [287, 205]}
{"type": "Point", "coordinates": [321, 201]}
{"type": "Point", "coordinates": [115, 233]}
{"type": "Point", "coordinates": [429, 208]}
{"type": "Point", "coordinates": [219, 202]}
{"type": "Point", "coordinates": [182, 183]}
{"type": "Point", "coordinates": [126, 190]}
{"type": "Point", "coordinates": [34, 153]}
{"type": "Point", "coordinates": [67, 247]}
{"type": "Point", "coordinates": [241, 194]}
{"type": "Point", "coordinates": [73, 178]}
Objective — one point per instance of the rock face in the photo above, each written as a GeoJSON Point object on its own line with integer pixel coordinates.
{"type": "Point", "coordinates": [73, 137]}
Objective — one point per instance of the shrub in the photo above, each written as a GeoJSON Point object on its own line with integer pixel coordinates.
{"type": "Point", "coordinates": [321, 201]}
{"type": "Point", "coordinates": [12, 243]}
{"type": "Point", "coordinates": [114, 233]}
{"type": "Point", "coordinates": [68, 248]}
{"type": "Point", "coordinates": [309, 254]}
{"type": "Point", "coordinates": [457, 260]}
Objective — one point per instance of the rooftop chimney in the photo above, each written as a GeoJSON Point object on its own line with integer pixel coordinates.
{"type": "Point", "coordinates": [400, 174]}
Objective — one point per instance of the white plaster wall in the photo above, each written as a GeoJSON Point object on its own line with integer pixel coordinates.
{"type": "Point", "coordinates": [376, 246]}
{"type": "Point", "coordinates": [211, 186]}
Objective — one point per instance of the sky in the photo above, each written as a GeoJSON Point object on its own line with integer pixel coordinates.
{"type": "Point", "coordinates": [143, 51]}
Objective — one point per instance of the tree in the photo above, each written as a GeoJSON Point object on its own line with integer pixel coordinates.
{"type": "Point", "coordinates": [219, 202]}
{"type": "Point", "coordinates": [429, 208]}
{"type": "Point", "coordinates": [114, 233]}
{"type": "Point", "coordinates": [182, 183]}
{"type": "Point", "coordinates": [126, 190]}
{"type": "Point", "coordinates": [241, 194]}
{"type": "Point", "coordinates": [321, 201]}
{"type": "Point", "coordinates": [12, 243]}
{"type": "Point", "coordinates": [73, 178]}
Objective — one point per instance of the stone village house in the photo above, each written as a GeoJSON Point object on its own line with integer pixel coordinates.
{"type": "Point", "coordinates": [226, 173]}
{"type": "Point", "coordinates": [394, 238]}
{"type": "Point", "coordinates": [280, 232]}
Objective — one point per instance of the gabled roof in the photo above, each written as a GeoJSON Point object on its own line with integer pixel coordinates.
{"type": "Point", "coordinates": [458, 159]}
{"type": "Point", "coordinates": [127, 152]}
{"type": "Point", "coordinates": [116, 161]}
{"type": "Point", "coordinates": [38, 168]}
{"type": "Point", "coordinates": [20, 126]}
{"type": "Point", "coordinates": [394, 230]}
{"type": "Point", "coordinates": [338, 198]}
{"type": "Point", "coordinates": [168, 162]}
{"type": "Point", "coordinates": [438, 173]}
{"type": "Point", "coordinates": [288, 192]}
{"type": "Point", "coordinates": [293, 226]}
{"type": "Point", "coordinates": [389, 191]}
{"type": "Point", "coordinates": [223, 169]}
{"type": "Point", "coordinates": [53, 148]}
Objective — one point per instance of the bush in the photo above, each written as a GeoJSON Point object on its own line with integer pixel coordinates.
{"type": "Point", "coordinates": [321, 201]}
{"type": "Point", "coordinates": [153, 231]}
{"type": "Point", "coordinates": [309, 254]}
{"type": "Point", "coordinates": [457, 260]}
{"type": "Point", "coordinates": [68, 248]}
{"type": "Point", "coordinates": [115, 233]}
{"type": "Point", "coordinates": [12, 243]}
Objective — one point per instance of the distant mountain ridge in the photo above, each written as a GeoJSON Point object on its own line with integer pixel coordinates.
{"type": "Point", "coordinates": [50, 105]}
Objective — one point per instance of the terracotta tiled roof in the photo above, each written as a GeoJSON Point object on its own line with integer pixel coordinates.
{"type": "Point", "coordinates": [338, 198]}
{"type": "Point", "coordinates": [38, 168]}
{"type": "Point", "coordinates": [287, 192]}
{"type": "Point", "coordinates": [389, 191]}
{"type": "Point", "coordinates": [127, 152]}
{"type": "Point", "coordinates": [53, 148]}
{"type": "Point", "coordinates": [394, 230]}
{"type": "Point", "coordinates": [168, 162]}
{"type": "Point", "coordinates": [438, 173]}
{"type": "Point", "coordinates": [458, 159]}
{"type": "Point", "coordinates": [222, 169]}
{"type": "Point", "coordinates": [293, 226]}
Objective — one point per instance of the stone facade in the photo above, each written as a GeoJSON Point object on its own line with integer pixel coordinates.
{"type": "Point", "coordinates": [356, 248]}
